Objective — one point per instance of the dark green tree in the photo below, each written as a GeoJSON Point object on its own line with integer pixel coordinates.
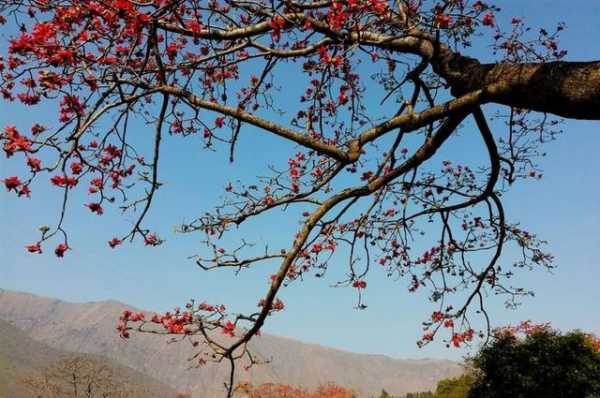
{"type": "Point", "coordinates": [544, 363]}
{"type": "Point", "coordinates": [457, 387]}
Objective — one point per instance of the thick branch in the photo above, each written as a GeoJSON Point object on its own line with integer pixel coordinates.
{"type": "Point", "coordinates": [567, 89]}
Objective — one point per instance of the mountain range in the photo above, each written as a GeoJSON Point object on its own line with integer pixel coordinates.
{"type": "Point", "coordinates": [89, 328]}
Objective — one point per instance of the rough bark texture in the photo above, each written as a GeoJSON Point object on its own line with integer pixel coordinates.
{"type": "Point", "coordinates": [567, 89]}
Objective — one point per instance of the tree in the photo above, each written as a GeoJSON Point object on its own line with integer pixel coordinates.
{"type": "Point", "coordinates": [362, 173]}
{"type": "Point", "coordinates": [536, 361]}
{"type": "Point", "coordinates": [419, 395]}
{"type": "Point", "coordinates": [457, 387]}
{"type": "Point", "coordinates": [74, 377]}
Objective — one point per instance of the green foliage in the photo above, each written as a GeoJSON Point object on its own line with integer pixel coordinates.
{"type": "Point", "coordinates": [457, 387]}
{"type": "Point", "coordinates": [543, 364]}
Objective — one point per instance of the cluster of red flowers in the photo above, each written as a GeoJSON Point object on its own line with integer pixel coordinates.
{"type": "Point", "coordinates": [524, 327]}
{"type": "Point", "coordinates": [429, 256]}
{"type": "Point", "coordinates": [14, 141]}
{"type": "Point", "coordinates": [277, 305]}
{"type": "Point", "coordinates": [59, 250]}
{"type": "Point", "coordinates": [341, 12]}
{"type": "Point", "coordinates": [277, 23]}
{"type": "Point", "coordinates": [296, 165]}
{"type": "Point", "coordinates": [459, 338]}
{"type": "Point", "coordinates": [63, 181]}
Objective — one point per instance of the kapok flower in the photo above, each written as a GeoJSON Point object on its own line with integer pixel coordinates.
{"type": "Point", "coordinates": [114, 242]}
{"type": "Point", "coordinates": [76, 168]}
{"type": "Point", "coordinates": [220, 122]}
{"type": "Point", "coordinates": [359, 284]}
{"type": "Point", "coordinates": [12, 183]}
{"type": "Point", "coordinates": [95, 208]}
{"type": "Point", "coordinates": [34, 248]}
{"type": "Point", "coordinates": [34, 163]}
{"type": "Point", "coordinates": [229, 328]}
{"type": "Point", "coordinates": [60, 250]}
{"type": "Point", "coordinates": [151, 240]}
{"type": "Point", "coordinates": [488, 19]}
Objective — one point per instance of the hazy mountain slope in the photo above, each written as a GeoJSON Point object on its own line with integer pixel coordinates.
{"type": "Point", "coordinates": [90, 327]}
{"type": "Point", "coordinates": [23, 358]}
{"type": "Point", "coordinates": [20, 358]}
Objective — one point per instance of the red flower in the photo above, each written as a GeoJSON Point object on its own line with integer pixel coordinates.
{"type": "Point", "coordinates": [366, 175]}
{"type": "Point", "coordinates": [60, 250]}
{"type": "Point", "coordinates": [12, 183]}
{"type": "Point", "coordinates": [277, 23]}
{"type": "Point", "coordinates": [220, 121]}
{"type": "Point", "coordinates": [151, 240]}
{"type": "Point", "coordinates": [488, 19]}
{"type": "Point", "coordinates": [34, 248]}
{"type": "Point", "coordinates": [194, 26]}
{"type": "Point", "coordinates": [229, 328]}
{"type": "Point", "coordinates": [278, 305]}
{"type": "Point", "coordinates": [114, 242]}
{"type": "Point", "coordinates": [206, 307]}
{"type": "Point", "coordinates": [437, 316]}
{"type": "Point", "coordinates": [360, 284]}
{"type": "Point", "coordinates": [24, 191]}
{"type": "Point", "coordinates": [59, 181]}
{"type": "Point", "coordinates": [316, 248]}
{"type": "Point", "coordinates": [34, 163]}
{"type": "Point", "coordinates": [15, 141]}
{"type": "Point", "coordinates": [95, 208]}
{"type": "Point", "coordinates": [37, 129]}
{"type": "Point", "coordinates": [172, 50]}
{"type": "Point", "coordinates": [443, 20]}
{"type": "Point", "coordinates": [76, 168]}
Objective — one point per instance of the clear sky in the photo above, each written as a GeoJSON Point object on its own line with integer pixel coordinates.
{"type": "Point", "coordinates": [564, 208]}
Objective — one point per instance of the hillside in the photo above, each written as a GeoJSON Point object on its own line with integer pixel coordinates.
{"type": "Point", "coordinates": [90, 327]}
{"type": "Point", "coordinates": [22, 358]}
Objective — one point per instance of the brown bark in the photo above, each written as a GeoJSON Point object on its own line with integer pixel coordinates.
{"type": "Point", "coordinates": [567, 89]}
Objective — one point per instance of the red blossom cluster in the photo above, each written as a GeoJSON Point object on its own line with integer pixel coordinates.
{"type": "Point", "coordinates": [526, 327]}
{"type": "Point", "coordinates": [277, 305]}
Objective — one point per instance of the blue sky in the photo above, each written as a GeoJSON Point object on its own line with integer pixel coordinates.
{"type": "Point", "coordinates": [563, 208]}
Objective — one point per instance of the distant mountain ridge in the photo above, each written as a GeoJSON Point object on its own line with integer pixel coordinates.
{"type": "Point", "coordinates": [90, 328]}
